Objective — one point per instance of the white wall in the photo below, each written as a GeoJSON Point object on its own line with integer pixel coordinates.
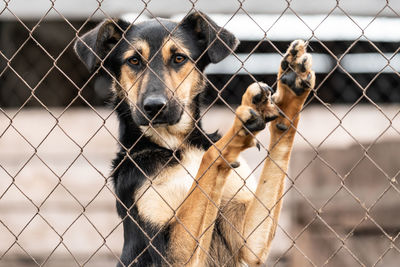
{"type": "Point", "coordinates": [26, 9]}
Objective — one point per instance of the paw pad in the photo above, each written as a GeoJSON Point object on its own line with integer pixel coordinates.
{"type": "Point", "coordinates": [251, 120]}
{"type": "Point", "coordinates": [255, 123]}
{"type": "Point", "coordinates": [296, 70]}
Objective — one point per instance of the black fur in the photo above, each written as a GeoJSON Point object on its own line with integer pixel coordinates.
{"type": "Point", "coordinates": [96, 44]}
{"type": "Point", "coordinates": [218, 41]}
{"type": "Point", "coordinates": [139, 158]}
{"type": "Point", "coordinates": [145, 158]}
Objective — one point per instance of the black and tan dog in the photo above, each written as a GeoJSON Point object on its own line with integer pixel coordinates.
{"type": "Point", "coordinates": [183, 195]}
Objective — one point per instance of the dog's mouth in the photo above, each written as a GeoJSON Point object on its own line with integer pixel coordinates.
{"type": "Point", "coordinates": [157, 124]}
{"type": "Point", "coordinates": [168, 117]}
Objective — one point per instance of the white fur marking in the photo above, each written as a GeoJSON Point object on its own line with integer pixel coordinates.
{"type": "Point", "coordinates": [168, 189]}
{"type": "Point", "coordinates": [158, 201]}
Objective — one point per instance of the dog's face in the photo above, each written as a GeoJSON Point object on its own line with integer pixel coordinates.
{"type": "Point", "coordinates": [158, 73]}
{"type": "Point", "coordinates": [156, 65]}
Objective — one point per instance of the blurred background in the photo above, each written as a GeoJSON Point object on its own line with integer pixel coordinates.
{"type": "Point", "coordinates": [58, 134]}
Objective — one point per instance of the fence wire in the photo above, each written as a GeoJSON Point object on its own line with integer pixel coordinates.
{"type": "Point", "coordinates": [314, 222]}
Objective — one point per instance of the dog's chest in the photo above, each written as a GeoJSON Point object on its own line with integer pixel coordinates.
{"type": "Point", "coordinates": [157, 200]}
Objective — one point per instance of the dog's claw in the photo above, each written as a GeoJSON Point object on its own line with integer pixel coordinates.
{"type": "Point", "coordinates": [258, 146]}
{"type": "Point", "coordinates": [255, 123]}
{"type": "Point", "coordinates": [235, 164]}
{"type": "Point", "coordinates": [271, 118]}
{"type": "Point", "coordinates": [253, 113]}
{"type": "Point", "coordinates": [281, 126]}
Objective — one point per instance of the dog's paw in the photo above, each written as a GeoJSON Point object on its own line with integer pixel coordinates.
{"type": "Point", "coordinates": [295, 81]}
{"type": "Point", "coordinates": [258, 97]}
{"type": "Point", "coordinates": [296, 72]}
{"type": "Point", "coordinates": [248, 121]}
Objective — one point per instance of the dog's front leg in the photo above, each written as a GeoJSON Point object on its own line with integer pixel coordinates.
{"type": "Point", "coordinates": [295, 79]}
{"type": "Point", "coordinates": [192, 230]}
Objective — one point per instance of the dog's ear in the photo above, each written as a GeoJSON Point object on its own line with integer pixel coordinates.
{"type": "Point", "coordinates": [93, 46]}
{"type": "Point", "coordinates": [219, 41]}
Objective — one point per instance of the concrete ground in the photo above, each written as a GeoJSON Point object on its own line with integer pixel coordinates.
{"type": "Point", "coordinates": [56, 202]}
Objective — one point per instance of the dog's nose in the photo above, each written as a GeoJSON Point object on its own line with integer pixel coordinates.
{"type": "Point", "coordinates": [153, 104]}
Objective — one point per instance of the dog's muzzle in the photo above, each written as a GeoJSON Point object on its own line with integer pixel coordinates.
{"type": "Point", "coordinates": [157, 110]}
{"type": "Point", "coordinates": [153, 105]}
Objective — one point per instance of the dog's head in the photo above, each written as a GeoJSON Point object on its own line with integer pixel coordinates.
{"type": "Point", "coordinates": [156, 65]}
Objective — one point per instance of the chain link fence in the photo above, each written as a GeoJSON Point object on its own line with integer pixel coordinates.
{"type": "Point", "coordinates": [57, 136]}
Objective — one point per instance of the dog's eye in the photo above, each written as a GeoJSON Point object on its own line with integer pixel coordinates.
{"type": "Point", "coordinates": [134, 61]}
{"type": "Point", "coordinates": [178, 59]}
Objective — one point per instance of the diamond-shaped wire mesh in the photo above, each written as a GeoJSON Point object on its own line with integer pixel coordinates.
{"type": "Point", "coordinates": [58, 133]}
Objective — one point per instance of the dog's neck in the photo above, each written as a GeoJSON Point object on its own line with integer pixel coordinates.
{"type": "Point", "coordinates": [170, 136]}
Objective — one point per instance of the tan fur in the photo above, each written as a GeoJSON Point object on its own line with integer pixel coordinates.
{"type": "Point", "coordinates": [130, 81]}
{"type": "Point", "coordinates": [170, 136]}
{"type": "Point", "coordinates": [213, 216]}
{"type": "Point", "coordinates": [182, 85]}
{"type": "Point", "coordinates": [185, 83]}
{"type": "Point", "coordinates": [131, 84]}
{"type": "Point", "coordinates": [164, 137]}
{"type": "Point", "coordinates": [192, 232]}
{"type": "Point", "coordinates": [139, 47]}
{"type": "Point", "coordinates": [173, 44]}
{"type": "Point", "coordinates": [159, 198]}
{"type": "Point", "coordinates": [249, 228]}
{"type": "Point", "coordinates": [212, 213]}
{"type": "Point", "coordinates": [225, 249]}
{"type": "Point", "coordinates": [262, 214]}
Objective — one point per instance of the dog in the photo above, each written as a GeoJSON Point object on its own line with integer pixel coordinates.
{"type": "Point", "coordinates": [183, 195]}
